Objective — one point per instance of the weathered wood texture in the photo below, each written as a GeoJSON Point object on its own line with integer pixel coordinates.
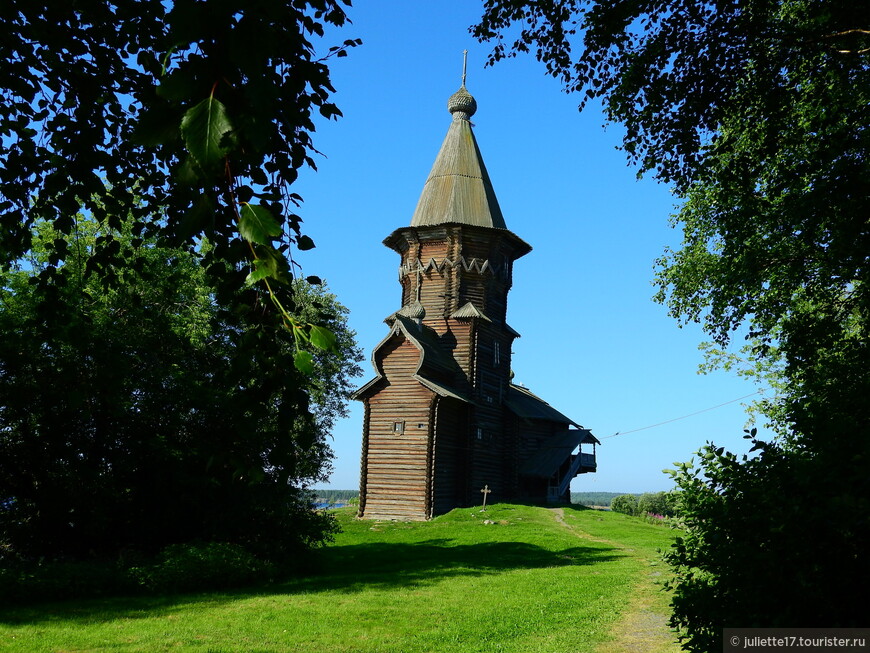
{"type": "Point", "coordinates": [450, 460]}
{"type": "Point", "coordinates": [458, 188]}
{"type": "Point", "coordinates": [450, 265]}
{"type": "Point", "coordinates": [457, 338]}
{"type": "Point", "coordinates": [432, 442]}
{"type": "Point", "coordinates": [398, 439]}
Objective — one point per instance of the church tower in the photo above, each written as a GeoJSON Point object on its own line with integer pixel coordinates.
{"type": "Point", "coordinates": [441, 418]}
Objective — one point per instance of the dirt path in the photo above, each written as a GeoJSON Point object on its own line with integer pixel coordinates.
{"type": "Point", "coordinates": [643, 626]}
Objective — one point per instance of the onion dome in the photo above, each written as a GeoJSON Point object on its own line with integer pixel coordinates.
{"type": "Point", "coordinates": [463, 103]}
{"type": "Point", "coordinates": [414, 311]}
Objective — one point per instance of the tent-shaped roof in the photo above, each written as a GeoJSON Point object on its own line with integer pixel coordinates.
{"type": "Point", "coordinates": [458, 188]}
{"type": "Point", "coordinates": [468, 311]}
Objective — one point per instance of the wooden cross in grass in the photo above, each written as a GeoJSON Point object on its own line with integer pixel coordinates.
{"type": "Point", "coordinates": [485, 491]}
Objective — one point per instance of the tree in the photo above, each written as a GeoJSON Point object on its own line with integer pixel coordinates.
{"type": "Point", "coordinates": [756, 112]}
{"type": "Point", "coordinates": [330, 384]}
{"type": "Point", "coordinates": [624, 503]}
{"type": "Point", "coordinates": [171, 125]}
{"type": "Point", "coordinates": [133, 419]}
{"type": "Point", "coordinates": [189, 118]}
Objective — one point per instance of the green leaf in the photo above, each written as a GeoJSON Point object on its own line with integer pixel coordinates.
{"type": "Point", "coordinates": [176, 85]}
{"type": "Point", "coordinates": [196, 219]}
{"type": "Point", "coordinates": [304, 243]}
{"type": "Point", "coordinates": [322, 338]}
{"type": "Point", "coordinates": [263, 267]}
{"type": "Point", "coordinates": [304, 362]}
{"type": "Point", "coordinates": [205, 128]}
{"type": "Point", "coordinates": [186, 173]}
{"type": "Point", "coordinates": [156, 126]}
{"type": "Point", "coordinates": [258, 225]}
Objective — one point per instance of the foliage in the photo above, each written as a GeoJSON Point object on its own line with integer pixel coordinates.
{"type": "Point", "coordinates": [337, 496]}
{"type": "Point", "coordinates": [757, 114]}
{"type": "Point", "coordinates": [134, 417]}
{"type": "Point", "coordinates": [177, 568]}
{"type": "Point", "coordinates": [149, 392]}
{"type": "Point", "coordinates": [329, 382]}
{"type": "Point", "coordinates": [658, 503]}
{"type": "Point", "coordinates": [675, 74]}
{"type": "Point", "coordinates": [398, 587]}
{"type": "Point", "coordinates": [207, 566]}
{"type": "Point", "coordinates": [190, 119]}
{"type": "Point", "coordinates": [662, 504]}
{"type": "Point", "coordinates": [624, 503]}
{"type": "Point", "coordinates": [35, 582]}
{"type": "Point", "coordinates": [776, 499]}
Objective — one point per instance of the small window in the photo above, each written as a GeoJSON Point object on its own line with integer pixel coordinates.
{"type": "Point", "coordinates": [421, 426]}
{"type": "Point", "coordinates": [480, 433]}
{"type": "Point", "coordinates": [398, 427]}
{"type": "Point", "coordinates": [496, 353]}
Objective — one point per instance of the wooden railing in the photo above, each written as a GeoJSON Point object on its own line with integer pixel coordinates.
{"type": "Point", "coordinates": [581, 462]}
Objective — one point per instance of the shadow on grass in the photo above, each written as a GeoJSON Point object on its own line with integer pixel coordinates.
{"type": "Point", "coordinates": [346, 569]}
{"type": "Point", "coordinates": [387, 566]}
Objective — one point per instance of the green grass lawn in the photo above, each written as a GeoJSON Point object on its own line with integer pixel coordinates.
{"type": "Point", "coordinates": [536, 580]}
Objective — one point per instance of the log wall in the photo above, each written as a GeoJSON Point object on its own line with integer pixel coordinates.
{"type": "Point", "coordinates": [450, 462]}
{"type": "Point", "coordinates": [445, 450]}
{"type": "Point", "coordinates": [397, 459]}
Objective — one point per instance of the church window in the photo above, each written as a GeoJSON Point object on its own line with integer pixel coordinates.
{"type": "Point", "coordinates": [479, 433]}
{"type": "Point", "coordinates": [496, 353]}
{"type": "Point", "coordinates": [398, 427]}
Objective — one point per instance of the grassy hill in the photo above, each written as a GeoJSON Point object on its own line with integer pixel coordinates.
{"type": "Point", "coordinates": [578, 498]}
{"type": "Point", "coordinates": [514, 578]}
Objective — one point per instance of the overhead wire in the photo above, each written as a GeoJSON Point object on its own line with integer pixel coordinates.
{"type": "Point", "coordinates": [677, 419]}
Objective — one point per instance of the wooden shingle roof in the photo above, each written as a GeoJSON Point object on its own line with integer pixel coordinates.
{"type": "Point", "coordinates": [458, 188]}
{"type": "Point", "coordinates": [435, 368]}
{"type": "Point", "coordinates": [523, 403]}
{"type": "Point", "coordinates": [468, 311]}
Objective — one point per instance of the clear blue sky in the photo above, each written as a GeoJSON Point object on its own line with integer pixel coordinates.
{"type": "Point", "coordinates": [594, 345]}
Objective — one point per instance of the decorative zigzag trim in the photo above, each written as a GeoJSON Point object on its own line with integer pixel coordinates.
{"type": "Point", "coordinates": [480, 266]}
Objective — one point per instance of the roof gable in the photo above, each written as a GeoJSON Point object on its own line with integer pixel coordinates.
{"type": "Point", "coordinates": [434, 367]}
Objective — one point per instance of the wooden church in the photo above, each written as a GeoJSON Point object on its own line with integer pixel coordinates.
{"type": "Point", "coordinates": [443, 421]}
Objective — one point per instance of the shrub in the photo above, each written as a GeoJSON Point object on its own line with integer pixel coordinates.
{"type": "Point", "coordinates": [59, 581]}
{"type": "Point", "coordinates": [212, 565]}
{"type": "Point", "coordinates": [657, 503]}
{"type": "Point", "coordinates": [178, 568]}
{"type": "Point", "coordinates": [624, 503]}
{"type": "Point", "coordinates": [777, 539]}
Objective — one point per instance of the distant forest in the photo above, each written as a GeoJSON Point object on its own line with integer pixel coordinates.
{"type": "Point", "coordinates": [335, 496]}
{"type": "Point", "coordinates": [579, 498]}
{"type": "Point", "coordinates": [593, 498]}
